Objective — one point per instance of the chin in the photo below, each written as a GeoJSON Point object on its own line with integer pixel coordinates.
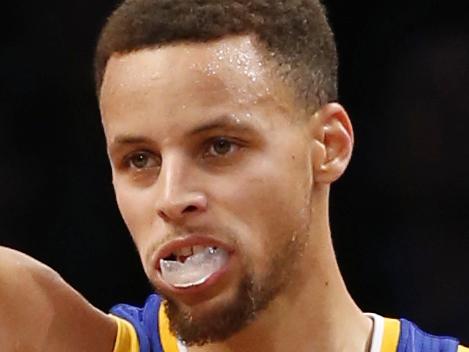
{"type": "Point", "coordinates": [220, 317]}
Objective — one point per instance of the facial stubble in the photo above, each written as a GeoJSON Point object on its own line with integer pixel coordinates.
{"type": "Point", "coordinates": [253, 296]}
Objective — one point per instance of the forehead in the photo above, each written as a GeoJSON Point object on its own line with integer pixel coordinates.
{"type": "Point", "coordinates": [230, 73]}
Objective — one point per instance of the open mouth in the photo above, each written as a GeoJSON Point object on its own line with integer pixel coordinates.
{"type": "Point", "coordinates": [192, 265]}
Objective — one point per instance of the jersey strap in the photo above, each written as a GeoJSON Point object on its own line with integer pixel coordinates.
{"type": "Point", "coordinates": [392, 330]}
{"type": "Point", "coordinates": [144, 321]}
{"type": "Point", "coordinates": [168, 340]}
{"type": "Point", "coordinates": [412, 339]}
{"type": "Point", "coordinates": [126, 339]}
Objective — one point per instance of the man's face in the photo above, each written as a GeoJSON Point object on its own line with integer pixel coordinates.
{"type": "Point", "coordinates": [209, 154]}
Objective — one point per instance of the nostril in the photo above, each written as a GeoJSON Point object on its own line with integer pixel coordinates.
{"type": "Point", "coordinates": [190, 209]}
{"type": "Point", "coordinates": [176, 209]}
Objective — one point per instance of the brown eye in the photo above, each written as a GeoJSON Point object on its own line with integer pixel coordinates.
{"type": "Point", "coordinates": [143, 160]}
{"type": "Point", "coordinates": [221, 146]}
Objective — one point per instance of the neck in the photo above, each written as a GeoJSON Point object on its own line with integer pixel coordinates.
{"type": "Point", "coordinates": [316, 312]}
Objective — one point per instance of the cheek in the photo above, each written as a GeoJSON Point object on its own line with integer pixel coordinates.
{"type": "Point", "coordinates": [279, 215]}
{"type": "Point", "coordinates": [270, 204]}
{"type": "Point", "coordinates": [135, 208]}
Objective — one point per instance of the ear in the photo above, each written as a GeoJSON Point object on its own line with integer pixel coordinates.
{"type": "Point", "coordinates": [333, 143]}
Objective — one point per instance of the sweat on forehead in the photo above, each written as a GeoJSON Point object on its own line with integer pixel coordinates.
{"type": "Point", "coordinates": [295, 34]}
{"type": "Point", "coordinates": [232, 65]}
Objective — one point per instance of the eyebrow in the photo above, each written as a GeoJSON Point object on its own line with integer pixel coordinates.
{"type": "Point", "coordinates": [130, 139]}
{"type": "Point", "coordinates": [222, 122]}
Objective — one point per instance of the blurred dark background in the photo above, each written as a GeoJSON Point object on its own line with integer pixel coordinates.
{"type": "Point", "coordinates": [399, 215]}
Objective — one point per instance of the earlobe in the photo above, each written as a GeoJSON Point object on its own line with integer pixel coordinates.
{"type": "Point", "coordinates": [333, 144]}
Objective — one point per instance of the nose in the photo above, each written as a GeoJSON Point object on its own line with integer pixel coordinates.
{"type": "Point", "coordinates": [177, 199]}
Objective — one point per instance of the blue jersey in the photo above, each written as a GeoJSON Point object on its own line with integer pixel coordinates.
{"type": "Point", "coordinates": [144, 329]}
{"type": "Point", "coordinates": [147, 330]}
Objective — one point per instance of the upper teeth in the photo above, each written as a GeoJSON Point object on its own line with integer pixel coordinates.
{"type": "Point", "coordinates": [188, 251]}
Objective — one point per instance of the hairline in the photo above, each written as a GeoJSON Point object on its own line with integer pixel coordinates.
{"type": "Point", "coordinates": [259, 44]}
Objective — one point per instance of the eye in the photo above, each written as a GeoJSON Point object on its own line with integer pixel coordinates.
{"type": "Point", "coordinates": [221, 146]}
{"type": "Point", "coordinates": [143, 160]}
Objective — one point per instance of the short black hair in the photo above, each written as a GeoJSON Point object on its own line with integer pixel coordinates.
{"type": "Point", "coordinates": [295, 34]}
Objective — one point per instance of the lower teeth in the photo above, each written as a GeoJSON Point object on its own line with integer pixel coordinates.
{"type": "Point", "coordinates": [195, 270]}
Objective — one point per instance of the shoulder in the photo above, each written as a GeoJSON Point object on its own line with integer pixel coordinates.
{"type": "Point", "coordinates": [148, 325]}
{"type": "Point", "coordinates": [412, 339]}
{"type": "Point", "coordinates": [404, 336]}
{"type": "Point", "coordinates": [39, 311]}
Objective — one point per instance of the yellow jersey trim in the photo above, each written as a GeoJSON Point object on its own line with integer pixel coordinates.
{"type": "Point", "coordinates": [168, 340]}
{"type": "Point", "coordinates": [126, 339]}
{"type": "Point", "coordinates": [392, 330]}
